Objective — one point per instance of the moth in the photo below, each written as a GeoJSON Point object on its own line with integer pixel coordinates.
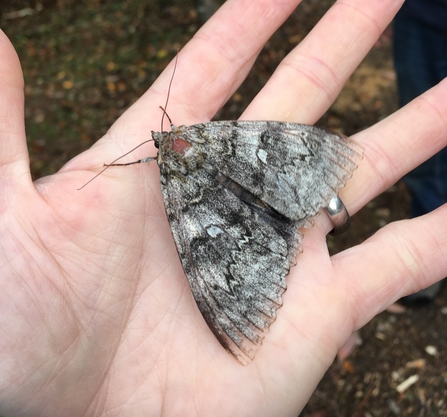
{"type": "Point", "coordinates": [236, 194]}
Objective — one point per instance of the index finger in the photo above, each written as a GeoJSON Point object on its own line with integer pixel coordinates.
{"type": "Point", "coordinates": [216, 60]}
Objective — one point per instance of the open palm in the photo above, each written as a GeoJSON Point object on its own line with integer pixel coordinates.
{"type": "Point", "coordinates": [97, 317]}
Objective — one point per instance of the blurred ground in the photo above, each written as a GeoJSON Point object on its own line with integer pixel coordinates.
{"type": "Point", "coordinates": [86, 61]}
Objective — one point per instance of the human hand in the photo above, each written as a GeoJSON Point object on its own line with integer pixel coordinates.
{"type": "Point", "coordinates": [97, 314]}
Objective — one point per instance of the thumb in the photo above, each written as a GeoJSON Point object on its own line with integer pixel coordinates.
{"type": "Point", "coordinates": [14, 159]}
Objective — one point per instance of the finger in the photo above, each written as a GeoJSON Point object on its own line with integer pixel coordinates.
{"type": "Point", "coordinates": [209, 69]}
{"type": "Point", "coordinates": [222, 52]}
{"type": "Point", "coordinates": [398, 144]}
{"type": "Point", "coordinates": [214, 63]}
{"type": "Point", "coordinates": [400, 259]}
{"type": "Point", "coordinates": [311, 76]}
{"type": "Point", "coordinates": [13, 151]}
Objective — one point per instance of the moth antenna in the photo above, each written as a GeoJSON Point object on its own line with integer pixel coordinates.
{"type": "Point", "coordinates": [106, 166]}
{"type": "Point", "coordinates": [113, 163]}
{"type": "Point", "coordinates": [166, 114]}
{"type": "Point", "coordinates": [169, 93]}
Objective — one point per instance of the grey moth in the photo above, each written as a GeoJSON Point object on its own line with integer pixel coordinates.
{"type": "Point", "coordinates": [236, 194]}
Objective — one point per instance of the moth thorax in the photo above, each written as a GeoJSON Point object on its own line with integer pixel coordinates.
{"type": "Point", "coordinates": [180, 145]}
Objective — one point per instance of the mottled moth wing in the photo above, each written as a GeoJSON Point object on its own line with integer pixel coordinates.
{"type": "Point", "coordinates": [296, 169]}
{"type": "Point", "coordinates": [235, 195]}
{"type": "Point", "coordinates": [235, 261]}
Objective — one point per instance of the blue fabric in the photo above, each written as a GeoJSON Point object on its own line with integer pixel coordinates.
{"type": "Point", "coordinates": [420, 59]}
{"type": "Point", "coordinates": [430, 12]}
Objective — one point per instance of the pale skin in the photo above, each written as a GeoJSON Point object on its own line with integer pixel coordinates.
{"type": "Point", "coordinates": [96, 314]}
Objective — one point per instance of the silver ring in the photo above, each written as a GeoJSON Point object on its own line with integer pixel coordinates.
{"type": "Point", "coordinates": [339, 216]}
